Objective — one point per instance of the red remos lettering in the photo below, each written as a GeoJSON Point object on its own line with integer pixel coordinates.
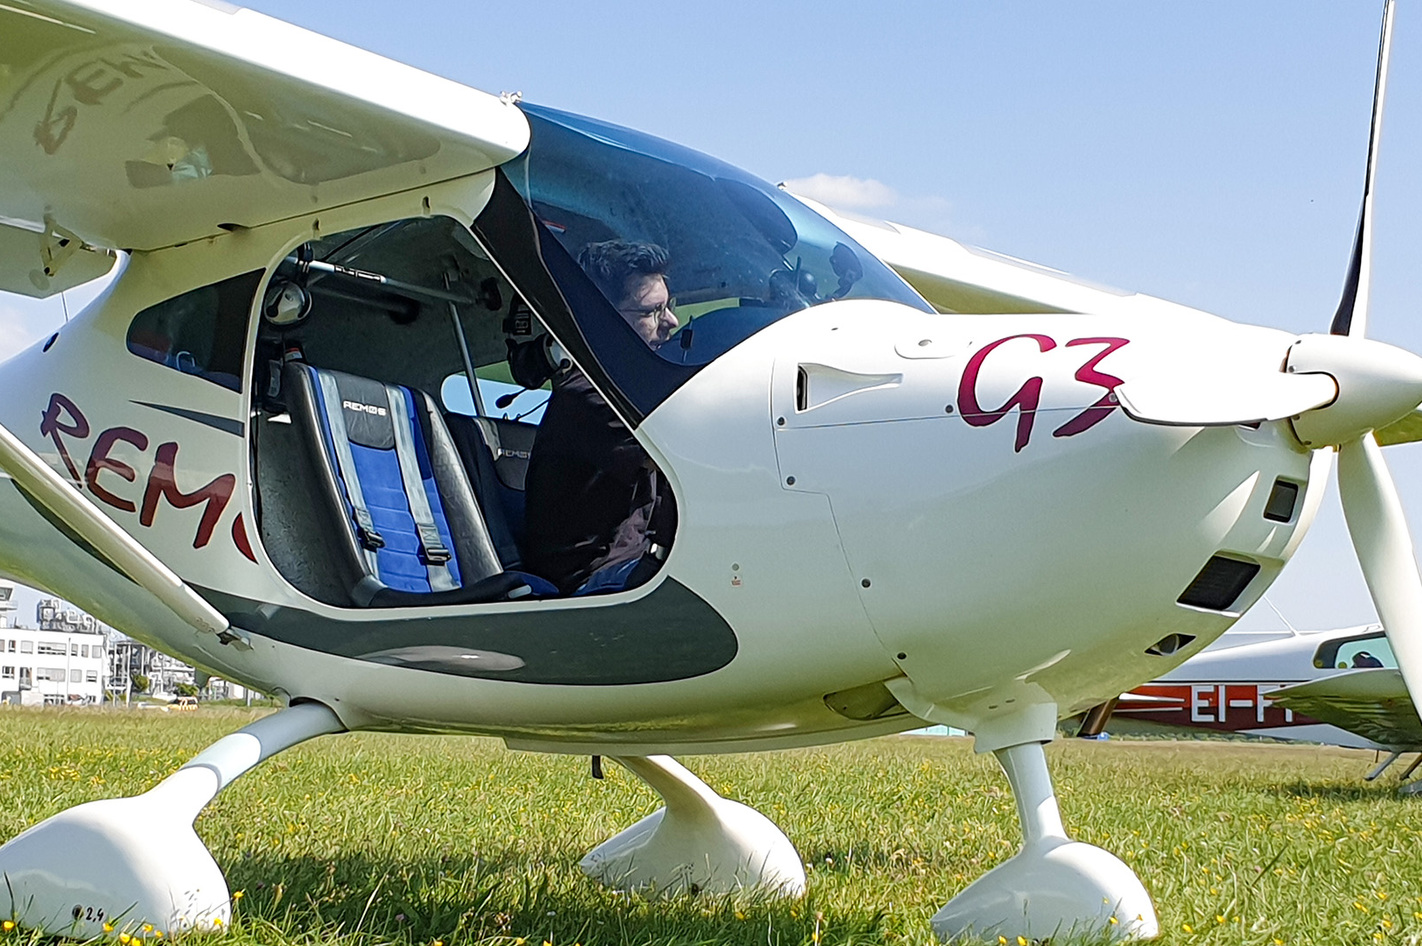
{"type": "Point", "coordinates": [161, 484]}
{"type": "Point", "coordinates": [99, 460]}
{"type": "Point", "coordinates": [1025, 400]}
{"type": "Point", "coordinates": [52, 426]}
{"type": "Point", "coordinates": [239, 538]}
{"type": "Point", "coordinates": [1088, 374]}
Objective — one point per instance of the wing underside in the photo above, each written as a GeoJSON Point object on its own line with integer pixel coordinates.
{"type": "Point", "coordinates": [140, 124]}
{"type": "Point", "coordinates": [1372, 703]}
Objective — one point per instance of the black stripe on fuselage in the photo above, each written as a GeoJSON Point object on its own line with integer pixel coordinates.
{"type": "Point", "coordinates": [669, 634]}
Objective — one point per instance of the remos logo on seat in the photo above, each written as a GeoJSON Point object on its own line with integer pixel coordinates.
{"type": "Point", "coordinates": [364, 408]}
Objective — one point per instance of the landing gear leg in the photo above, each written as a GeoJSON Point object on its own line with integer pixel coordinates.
{"type": "Point", "coordinates": [1382, 766]}
{"type": "Point", "coordinates": [1411, 788]}
{"type": "Point", "coordinates": [1054, 885]}
{"type": "Point", "coordinates": [116, 865]}
{"type": "Point", "coordinates": [698, 842]}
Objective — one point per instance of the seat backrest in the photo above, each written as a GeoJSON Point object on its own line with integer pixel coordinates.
{"type": "Point", "coordinates": [496, 453]}
{"type": "Point", "coordinates": [403, 515]}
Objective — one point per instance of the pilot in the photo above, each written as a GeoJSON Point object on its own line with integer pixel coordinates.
{"type": "Point", "coordinates": [1363, 659]}
{"type": "Point", "coordinates": [596, 505]}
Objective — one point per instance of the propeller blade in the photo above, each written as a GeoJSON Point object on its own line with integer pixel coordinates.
{"type": "Point", "coordinates": [1352, 315]}
{"type": "Point", "coordinates": [1224, 398]}
{"type": "Point", "coordinates": [1384, 547]}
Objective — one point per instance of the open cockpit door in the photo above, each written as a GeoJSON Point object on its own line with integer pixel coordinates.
{"type": "Point", "coordinates": [141, 124]}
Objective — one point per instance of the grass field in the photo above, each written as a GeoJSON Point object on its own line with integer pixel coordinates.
{"type": "Point", "coordinates": [374, 839]}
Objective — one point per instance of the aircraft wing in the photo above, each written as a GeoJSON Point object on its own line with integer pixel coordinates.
{"type": "Point", "coordinates": [140, 124]}
{"type": "Point", "coordinates": [1374, 703]}
{"type": "Point", "coordinates": [1407, 429]}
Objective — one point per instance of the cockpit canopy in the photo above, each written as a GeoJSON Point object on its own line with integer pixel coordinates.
{"type": "Point", "coordinates": [743, 253]}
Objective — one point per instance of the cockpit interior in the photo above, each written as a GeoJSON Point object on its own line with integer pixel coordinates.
{"type": "Point", "coordinates": [400, 371]}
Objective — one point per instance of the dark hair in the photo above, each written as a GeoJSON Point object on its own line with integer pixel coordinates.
{"type": "Point", "coordinates": [612, 263]}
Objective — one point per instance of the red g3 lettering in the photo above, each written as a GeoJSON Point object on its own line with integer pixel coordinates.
{"type": "Point", "coordinates": [1029, 396]}
{"type": "Point", "coordinates": [1025, 400]}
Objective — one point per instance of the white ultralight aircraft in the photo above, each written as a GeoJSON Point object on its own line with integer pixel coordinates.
{"type": "Point", "coordinates": [911, 481]}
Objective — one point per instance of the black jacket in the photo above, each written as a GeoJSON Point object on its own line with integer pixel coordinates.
{"type": "Point", "coordinates": [594, 498]}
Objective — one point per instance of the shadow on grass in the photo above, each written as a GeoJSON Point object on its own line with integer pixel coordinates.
{"type": "Point", "coordinates": [468, 899]}
{"type": "Point", "coordinates": [1362, 791]}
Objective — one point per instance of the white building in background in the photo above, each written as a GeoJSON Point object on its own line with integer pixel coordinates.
{"type": "Point", "coordinates": [70, 658]}
{"type": "Point", "coordinates": [62, 660]}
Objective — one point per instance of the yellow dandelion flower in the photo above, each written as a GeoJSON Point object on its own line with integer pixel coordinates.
{"type": "Point", "coordinates": [8, 925]}
{"type": "Point", "coordinates": [1002, 941]}
{"type": "Point", "coordinates": [1114, 921]}
{"type": "Point", "coordinates": [217, 921]}
{"type": "Point", "coordinates": [148, 927]}
{"type": "Point", "coordinates": [1187, 927]}
{"type": "Point", "coordinates": [108, 927]}
{"type": "Point", "coordinates": [1021, 941]}
{"type": "Point", "coordinates": [237, 895]}
{"type": "Point", "coordinates": [1219, 918]}
{"type": "Point", "coordinates": [124, 938]}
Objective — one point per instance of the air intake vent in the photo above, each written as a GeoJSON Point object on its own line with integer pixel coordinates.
{"type": "Point", "coordinates": [1282, 499]}
{"type": "Point", "coordinates": [1169, 644]}
{"type": "Point", "coordinates": [1219, 584]}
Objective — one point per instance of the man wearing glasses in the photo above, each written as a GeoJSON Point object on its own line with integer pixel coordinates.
{"type": "Point", "coordinates": [633, 277]}
{"type": "Point", "coordinates": [596, 506]}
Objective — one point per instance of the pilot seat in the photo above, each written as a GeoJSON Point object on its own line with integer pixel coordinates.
{"type": "Point", "coordinates": [405, 525]}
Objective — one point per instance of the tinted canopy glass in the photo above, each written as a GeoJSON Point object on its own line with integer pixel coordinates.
{"type": "Point", "coordinates": [741, 253]}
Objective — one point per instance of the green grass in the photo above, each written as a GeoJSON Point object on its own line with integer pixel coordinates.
{"type": "Point", "coordinates": [372, 839]}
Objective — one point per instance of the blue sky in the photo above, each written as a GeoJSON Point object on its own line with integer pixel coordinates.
{"type": "Point", "coordinates": [1209, 153]}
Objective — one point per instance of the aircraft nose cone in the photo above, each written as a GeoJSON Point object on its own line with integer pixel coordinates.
{"type": "Point", "coordinates": [1377, 384]}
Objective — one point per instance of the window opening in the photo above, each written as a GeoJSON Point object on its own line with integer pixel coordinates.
{"type": "Point", "coordinates": [1356, 653]}
{"type": "Point", "coordinates": [392, 459]}
{"type": "Point", "coordinates": [202, 332]}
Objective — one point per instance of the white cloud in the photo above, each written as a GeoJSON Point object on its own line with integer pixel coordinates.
{"type": "Point", "coordinates": [850, 195]}
{"type": "Point", "coordinates": [842, 190]}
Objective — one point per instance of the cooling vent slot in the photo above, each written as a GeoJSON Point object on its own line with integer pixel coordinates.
{"type": "Point", "coordinates": [1282, 499]}
{"type": "Point", "coordinates": [1169, 644]}
{"type": "Point", "coordinates": [1219, 584]}
{"type": "Point", "coordinates": [818, 385]}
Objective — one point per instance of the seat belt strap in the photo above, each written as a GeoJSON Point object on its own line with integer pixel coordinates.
{"type": "Point", "coordinates": [436, 556]}
{"type": "Point", "coordinates": [369, 538]}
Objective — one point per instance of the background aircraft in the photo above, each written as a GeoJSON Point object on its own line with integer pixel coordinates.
{"type": "Point", "coordinates": [1339, 687]}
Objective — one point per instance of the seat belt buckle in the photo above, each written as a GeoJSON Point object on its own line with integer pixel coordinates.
{"type": "Point", "coordinates": [436, 555]}
{"type": "Point", "coordinates": [369, 538]}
